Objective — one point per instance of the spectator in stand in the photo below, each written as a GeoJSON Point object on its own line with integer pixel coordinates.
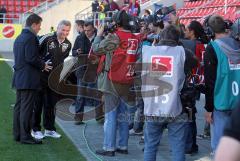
{"type": "Point", "coordinates": [3, 12]}
{"type": "Point", "coordinates": [95, 6]}
{"type": "Point", "coordinates": [79, 26]}
{"type": "Point", "coordinates": [126, 1]}
{"type": "Point", "coordinates": [104, 6]}
{"type": "Point", "coordinates": [113, 5]}
{"type": "Point", "coordinates": [134, 8]}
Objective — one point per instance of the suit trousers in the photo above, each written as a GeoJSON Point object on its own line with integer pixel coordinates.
{"type": "Point", "coordinates": [22, 114]}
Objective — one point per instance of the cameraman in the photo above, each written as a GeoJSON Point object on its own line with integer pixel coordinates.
{"type": "Point", "coordinates": [115, 79]}
{"type": "Point", "coordinates": [166, 109]}
{"type": "Point", "coordinates": [221, 72]}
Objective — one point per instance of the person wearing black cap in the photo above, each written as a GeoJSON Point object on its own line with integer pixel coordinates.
{"type": "Point", "coordinates": [115, 81]}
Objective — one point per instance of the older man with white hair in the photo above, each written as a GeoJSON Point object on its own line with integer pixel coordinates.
{"type": "Point", "coordinates": [54, 47]}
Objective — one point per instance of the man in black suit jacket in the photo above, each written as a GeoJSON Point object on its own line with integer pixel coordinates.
{"type": "Point", "coordinates": [26, 78]}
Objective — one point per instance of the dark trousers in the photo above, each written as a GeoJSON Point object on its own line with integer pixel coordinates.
{"type": "Point", "coordinates": [22, 114]}
{"type": "Point", "coordinates": [191, 143]}
{"type": "Point", "coordinates": [46, 102]}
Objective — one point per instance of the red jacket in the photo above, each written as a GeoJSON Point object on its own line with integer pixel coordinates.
{"type": "Point", "coordinates": [123, 61]}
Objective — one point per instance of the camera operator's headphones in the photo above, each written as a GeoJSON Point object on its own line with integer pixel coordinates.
{"type": "Point", "coordinates": [133, 22]}
{"type": "Point", "coordinates": [208, 29]}
{"type": "Point", "coordinates": [117, 17]}
{"type": "Point", "coordinates": [235, 30]}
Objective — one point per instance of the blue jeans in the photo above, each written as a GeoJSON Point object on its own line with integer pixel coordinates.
{"type": "Point", "coordinates": [116, 118]}
{"type": "Point", "coordinates": [132, 111]}
{"type": "Point", "coordinates": [220, 118]}
{"type": "Point", "coordinates": [177, 136]}
{"type": "Point", "coordinates": [81, 100]}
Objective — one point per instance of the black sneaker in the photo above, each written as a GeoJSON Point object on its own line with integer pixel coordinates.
{"type": "Point", "coordinates": [105, 153]}
{"type": "Point", "coordinates": [31, 141]}
{"type": "Point", "coordinates": [17, 139]}
{"type": "Point", "coordinates": [192, 151]}
{"type": "Point", "coordinates": [121, 151]}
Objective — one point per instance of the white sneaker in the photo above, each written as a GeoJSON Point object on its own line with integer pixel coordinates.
{"type": "Point", "coordinates": [37, 135]}
{"type": "Point", "coordinates": [52, 134]}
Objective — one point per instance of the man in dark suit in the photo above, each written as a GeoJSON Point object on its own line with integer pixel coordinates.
{"type": "Point", "coordinates": [26, 78]}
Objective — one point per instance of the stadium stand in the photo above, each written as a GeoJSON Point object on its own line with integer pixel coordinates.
{"type": "Point", "coordinates": [17, 7]}
{"type": "Point", "coordinates": [198, 10]}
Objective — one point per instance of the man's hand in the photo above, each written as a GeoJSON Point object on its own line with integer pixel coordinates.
{"type": "Point", "coordinates": [79, 51]}
{"type": "Point", "coordinates": [100, 30]}
{"type": "Point", "coordinates": [208, 117]}
{"type": "Point", "coordinates": [48, 66]}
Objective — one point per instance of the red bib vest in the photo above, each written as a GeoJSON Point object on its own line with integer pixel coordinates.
{"type": "Point", "coordinates": [122, 69]}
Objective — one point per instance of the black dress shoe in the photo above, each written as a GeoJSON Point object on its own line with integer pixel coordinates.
{"type": "Point", "coordinates": [16, 139]}
{"type": "Point", "coordinates": [31, 141]}
{"type": "Point", "coordinates": [105, 153]}
{"type": "Point", "coordinates": [192, 151]}
{"type": "Point", "coordinates": [121, 151]}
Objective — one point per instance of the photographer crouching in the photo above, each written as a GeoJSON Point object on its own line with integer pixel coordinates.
{"type": "Point", "coordinates": [118, 52]}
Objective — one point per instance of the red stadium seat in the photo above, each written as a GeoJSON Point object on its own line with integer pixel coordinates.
{"type": "Point", "coordinates": [10, 3]}
{"type": "Point", "coordinates": [206, 8]}
{"type": "Point", "coordinates": [17, 3]}
{"type": "Point", "coordinates": [24, 3]}
{"type": "Point", "coordinates": [10, 9]}
{"type": "Point", "coordinates": [18, 9]}
{"type": "Point", "coordinates": [24, 9]}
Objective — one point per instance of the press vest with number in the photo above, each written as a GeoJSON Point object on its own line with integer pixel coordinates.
{"type": "Point", "coordinates": [226, 90]}
{"type": "Point", "coordinates": [163, 67]}
{"type": "Point", "coordinates": [122, 64]}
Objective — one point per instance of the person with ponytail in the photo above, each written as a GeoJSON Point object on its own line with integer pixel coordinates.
{"type": "Point", "coordinates": [195, 39]}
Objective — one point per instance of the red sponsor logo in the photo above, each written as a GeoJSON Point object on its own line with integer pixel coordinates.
{"type": "Point", "coordinates": [8, 31]}
{"type": "Point", "coordinates": [132, 46]}
{"type": "Point", "coordinates": [162, 65]}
